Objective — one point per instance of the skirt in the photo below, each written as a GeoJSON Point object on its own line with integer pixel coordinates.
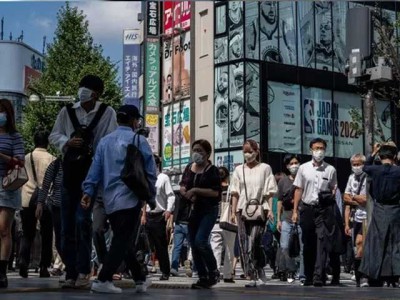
{"type": "Point", "coordinates": [10, 199]}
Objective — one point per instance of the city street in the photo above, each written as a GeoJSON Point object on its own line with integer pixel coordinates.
{"type": "Point", "coordinates": [179, 288]}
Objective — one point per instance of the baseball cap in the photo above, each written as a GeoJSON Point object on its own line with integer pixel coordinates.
{"type": "Point", "coordinates": [129, 111]}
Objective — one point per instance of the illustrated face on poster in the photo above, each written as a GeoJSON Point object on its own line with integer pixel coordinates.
{"type": "Point", "coordinates": [383, 114]}
{"type": "Point", "coordinates": [229, 160]}
{"type": "Point", "coordinates": [284, 117]}
{"type": "Point", "coordinates": [221, 50]}
{"type": "Point", "coordinates": [236, 105]}
{"type": "Point", "coordinates": [269, 31]}
{"type": "Point", "coordinates": [324, 45]}
{"type": "Point", "coordinates": [252, 31]}
{"type": "Point", "coordinates": [306, 34]}
{"type": "Point", "coordinates": [236, 45]}
{"type": "Point", "coordinates": [221, 107]}
{"type": "Point", "coordinates": [287, 38]}
{"type": "Point", "coordinates": [235, 15]}
{"type": "Point", "coordinates": [339, 35]}
{"type": "Point", "coordinates": [253, 101]}
{"type": "Point", "coordinates": [220, 19]}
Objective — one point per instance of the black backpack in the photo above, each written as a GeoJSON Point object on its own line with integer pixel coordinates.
{"type": "Point", "coordinates": [77, 161]}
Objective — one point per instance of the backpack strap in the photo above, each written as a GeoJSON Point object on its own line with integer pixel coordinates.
{"type": "Point", "coordinates": [97, 117]}
{"type": "Point", "coordinates": [57, 164]}
{"type": "Point", "coordinates": [72, 116]}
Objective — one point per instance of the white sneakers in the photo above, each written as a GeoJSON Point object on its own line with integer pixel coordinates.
{"type": "Point", "coordinates": [105, 287]}
{"type": "Point", "coordinates": [141, 287]}
{"type": "Point", "coordinates": [251, 283]}
{"type": "Point", "coordinates": [174, 272]}
{"type": "Point", "coordinates": [82, 280]}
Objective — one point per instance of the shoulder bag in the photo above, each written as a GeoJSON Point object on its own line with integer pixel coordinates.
{"type": "Point", "coordinates": [226, 214]}
{"type": "Point", "coordinates": [294, 242]}
{"type": "Point", "coordinates": [253, 211]}
{"type": "Point", "coordinates": [15, 178]}
{"type": "Point", "coordinates": [35, 195]}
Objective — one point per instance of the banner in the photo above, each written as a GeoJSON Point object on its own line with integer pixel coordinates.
{"type": "Point", "coordinates": [152, 83]}
{"type": "Point", "coordinates": [236, 105]}
{"type": "Point", "coordinates": [176, 67]}
{"type": "Point", "coordinates": [221, 107]}
{"type": "Point", "coordinates": [384, 117]}
{"type": "Point", "coordinates": [176, 14]}
{"type": "Point", "coordinates": [284, 119]}
{"type": "Point", "coordinates": [151, 122]}
{"type": "Point", "coordinates": [131, 70]}
{"type": "Point", "coordinates": [152, 18]}
{"type": "Point", "coordinates": [229, 160]}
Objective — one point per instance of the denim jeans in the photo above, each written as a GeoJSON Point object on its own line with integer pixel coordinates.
{"type": "Point", "coordinates": [285, 234]}
{"type": "Point", "coordinates": [76, 233]}
{"type": "Point", "coordinates": [180, 234]}
{"type": "Point", "coordinates": [200, 226]}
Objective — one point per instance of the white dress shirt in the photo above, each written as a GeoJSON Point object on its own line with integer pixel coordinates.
{"type": "Point", "coordinates": [165, 197]}
{"type": "Point", "coordinates": [63, 127]}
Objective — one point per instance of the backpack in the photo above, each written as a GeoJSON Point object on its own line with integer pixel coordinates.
{"type": "Point", "coordinates": [77, 161]}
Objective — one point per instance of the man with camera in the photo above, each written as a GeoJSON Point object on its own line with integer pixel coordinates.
{"type": "Point", "coordinates": [76, 133]}
{"type": "Point", "coordinates": [316, 184]}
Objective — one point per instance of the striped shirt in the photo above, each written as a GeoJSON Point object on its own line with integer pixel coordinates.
{"type": "Point", "coordinates": [50, 193]}
{"type": "Point", "coordinates": [10, 145]}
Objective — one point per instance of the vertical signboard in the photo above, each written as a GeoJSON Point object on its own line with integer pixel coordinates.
{"type": "Point", "coordinates": [152, 18]}
{"type": "Point", "coordinates": [131, 70]}
{"type": "Point", "coordinates": [152, 83]}
{"type": "Point", "coordinates": [176, 14]}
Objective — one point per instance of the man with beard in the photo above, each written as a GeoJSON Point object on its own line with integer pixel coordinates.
{"type": "Point", "coordinates": [221, 111]}
{"type": "Point", "coordinates": [236, 45]}
{"type": "Point", "coordinates": [324, 49]}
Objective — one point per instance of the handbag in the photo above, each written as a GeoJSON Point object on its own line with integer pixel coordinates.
{"type": "Point", "coordinates": [294, 242]}
{"type": "Point", "coordinates": [134, 175]}
{"type": "Point", "coordinates": [15, 178]}
{"type": "Point", "coordinates": [226, 215]}
{"type": "Point", "coordinates": [253, 211]}
{"type": "Point", "coordinates": [35, 195]}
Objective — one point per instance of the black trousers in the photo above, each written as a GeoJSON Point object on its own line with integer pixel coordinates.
{"type": "Point", "coordinates": [56, 218]}
{"type": "Point", "coordinates": [124, 224]}
{"type": "Point", "coordinates": [156, 232]}
{"type": "Point", "coordinates": [99, 230]}
{"type": "Point", "coordinates": [29, 231]}
{"type": "Point", "coordinates": [316, 224]}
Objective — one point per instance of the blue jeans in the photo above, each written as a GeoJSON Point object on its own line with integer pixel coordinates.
{"type": "Point", "coordinates": [285, 234]}
{"type": "Point", "coordinates": [76, 234]}
{"type": "Point", "coordinates": [200, 227]}
{"type": "Point", "coordinates": [180, 234]}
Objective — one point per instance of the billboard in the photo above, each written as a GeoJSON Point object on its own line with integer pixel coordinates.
{"type": "Point", "coordinates": [152, 75]}
{"type": "Point", "coordinates": [176, 67]}
{"type": "Point", "coordinates": [176, 14]}
{"type": "Point", "coordinates": [151, 122]}
{"type": "Point", "coordinates": [131, 70]}
{"type": "Point", "coordinates": [152, 18]}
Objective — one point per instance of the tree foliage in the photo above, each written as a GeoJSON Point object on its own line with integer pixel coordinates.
{"type": "Point", "coordinates": [70, 56]}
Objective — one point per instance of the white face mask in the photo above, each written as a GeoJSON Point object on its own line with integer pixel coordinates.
{"type": "Point", "coordinates": [85, 94]}
{"type": "Point", "coordinates": [318, 155]}
{"type": "Point", "coordinates": [357, 170]}
{"type": "Point", "coordinates": [293, 169]}
{"type": "Point", "coordinates": [197, 158]}
{"type": "Point", "coordinates": [250, 157]}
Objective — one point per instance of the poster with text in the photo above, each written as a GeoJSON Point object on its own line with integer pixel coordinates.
{"type": "Point", "coordinates": [152, 76]}
{"type": "Point", "coordinates": [235, 25]}
{"type": "Point", "coordinates": [348, 140]}
{"type": "Point", "coordinates": [384, 117]}
{"type": "Point", "coordinates": [284, 117]}
{"type": "Point", "coordinates": [252, 43]}
{"type": "Point", "coordinates": [181, 134]}
{"type": "Point", "coordinates": [228, 159]}
{"type": "Point", "coordinates": [151, 122]}
{"type": "Point", "coordinates": [317, 117]}
{"type": "Point", "coordinates": [221, 107]}
{"type": "Point", "coordinates": [236, 105]}
{"type": "Point", "coordinates": [167, 142]}
{"type": "Point", "coordinates": [176, 14]}
{"type": "Point", "coordinates": [253, 120]}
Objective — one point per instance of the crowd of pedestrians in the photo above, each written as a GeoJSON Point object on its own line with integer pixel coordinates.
{"type": "Point", "coordinates": [94, 220]}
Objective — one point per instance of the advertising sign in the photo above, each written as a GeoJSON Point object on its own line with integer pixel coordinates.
{"type": "Point", "coordinates": [152, 18]}
{"type": "Point", "coordinates": [131, 70]}
{"type": "Point", "coordinates": [383, 115]}
{"type": "Point", "coordinates": [152, 83]}
{"type": "Point", "coordinates": [229, 160]}
{"type": "Point", "coordinates": [176, 14]}
{"type": "Point", "coordinates": [176, 67]}
{"type": "Point", "coordinates": [284, 117]}
{"type": "Point", "coordinates": [151, 121]}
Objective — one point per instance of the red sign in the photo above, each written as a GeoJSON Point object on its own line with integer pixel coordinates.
{"type": "Point", "coordinates": [176, 14]}
{"type": "Point", "coordinates": [30, 76]}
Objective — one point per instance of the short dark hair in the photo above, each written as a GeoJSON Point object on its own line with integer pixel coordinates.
{"type": "Point", "coordinates": [157, 159]}
{"type": "Point", "coordinates": [387, 152]}
{"type": "Point", "coordinates": [204, 144]}
{"type": "Point", "coordinates": [41, 139]}
{"type": "Point", "coordinates": [225, 170]}
{"type": "Point", "coordinates": [93, 82]}
{"type": "Point", "coordinates": [9, 110]}
{"type": "Point", "coordinates": [289, 157]}
{"type": "Point", "coordinates": [317, 140]}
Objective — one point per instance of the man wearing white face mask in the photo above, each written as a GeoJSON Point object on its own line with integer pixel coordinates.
{"type": "Point", "coordinates": [76, 133]}
{"type": "Point", "coordinates": [315, 184]}
{"type": "Point", "coordinates": [355, 198]}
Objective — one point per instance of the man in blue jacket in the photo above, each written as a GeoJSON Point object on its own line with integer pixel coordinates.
{"type": "Point", "coordinates": [121, 203]}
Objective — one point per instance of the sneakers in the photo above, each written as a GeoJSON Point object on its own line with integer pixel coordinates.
{"type": "Point", "coordinates": [106, 287]}
{"type": "Point", "coordinates": [141, 286]}
{"type": "Point", "coordinates": [202, 283]}
{"type": "Point", "coordinates": [188, 268]}
{"type": "Point", "coordinates": [56, 272]}
{"type": "Point", "coordinates": [44, 273]}
{"type": "Point", "coordinates": [260, 282]}
{"type": "Point", "coordinates": [83, 280]}
{"type": "Point", "coordinates": [251, 284]}
{"type": "Point", "coordinates": [213, 278]}
{"type": "Point", "coordinates": [153, 270]}
{"type": "Point", "coordinates": [174, 273]}
{"type": "Point", "coordinates": [364, 282]}
{"type": "Point", "coordinates": [23, 271]}
{"type": "Point", "coordinates": [68, 284]}
{"type": "Point", "coordinates": [164, 277]}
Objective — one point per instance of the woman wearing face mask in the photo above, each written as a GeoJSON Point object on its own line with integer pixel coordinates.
{"type": "Point", "coordinates": [252, 180]}
{"type": "Point", "coordinates": [201, 184]}
{"type": "Point", "coordinates": [287, 265]}
{"type": "Point", "coordinates": [11, 153]}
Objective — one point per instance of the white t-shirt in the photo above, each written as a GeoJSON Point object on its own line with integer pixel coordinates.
{"type": "Point", "coordinates": [351, 189]}
{"type": "Point", "coordinates": [260, 183]}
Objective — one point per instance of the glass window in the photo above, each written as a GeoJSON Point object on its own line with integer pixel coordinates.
{"type": "Point", "coordinates": [306, 45]}
{"type": "Point", "coordinates": [221, 107]}
{"type": "Point", "coordinates": [269, 31]}
{"type": "Point", "coordinates": [235, 22]}
{"type": "Point", "coordinates": [229, 159]}
{"type": "Point", "coordinates": [253, 101]}
{"type": "Point", "coordinates": [317, 117]}
{"type": "Point", "coordinates": [339, 13]}
{"type": "Point", "coordinates": [236, 105]}
{"type": "Point", "coordinates": [252, 31]}
{"type": "Point", "coordinates": [220, 19]}
{"type": "Point", "coordinates": [284, 117]}
{"type": "Point", "coordinates": [323, 34]}
{"type": "Point", "coordinates": [287, 32]}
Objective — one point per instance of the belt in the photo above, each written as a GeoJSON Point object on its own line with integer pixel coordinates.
{"type": "Point", "coordinates": [310, 205]}
{"type": "Point", "coordinates": [155, 214]}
